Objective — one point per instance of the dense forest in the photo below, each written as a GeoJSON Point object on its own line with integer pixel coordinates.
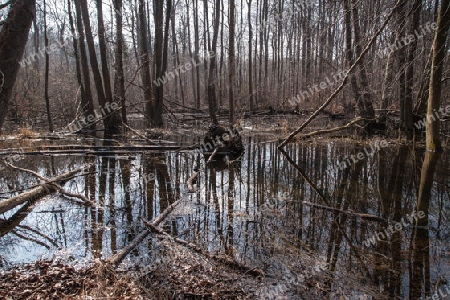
{"type": "Point", "coordinates": [272, 146]}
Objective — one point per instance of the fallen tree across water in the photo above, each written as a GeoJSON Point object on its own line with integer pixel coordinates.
{"type": "Point", "coordinates": [223, 259]}
{"type": "Point", "coordinates": [117, 258]}
{"type": "Point", "coordinates": [50, 186]}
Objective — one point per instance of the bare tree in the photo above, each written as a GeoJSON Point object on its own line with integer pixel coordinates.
{"type": "Point", "coordinates": [231, 61]}
{"type": "Point", "coordinates": [13, 39]}
{"type": "Point", "coordinates": [434, 98]}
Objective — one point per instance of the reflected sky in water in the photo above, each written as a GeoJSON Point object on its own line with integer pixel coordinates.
{"type": "Point", "coordinates": [259, 210]}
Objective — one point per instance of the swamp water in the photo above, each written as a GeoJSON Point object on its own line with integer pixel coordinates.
{"type": "Point", "coordinates": [260, 211]}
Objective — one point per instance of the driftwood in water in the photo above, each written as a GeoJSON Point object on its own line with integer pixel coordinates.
{"type": "Point", "coordinates": [223, 259]}
{"type": "Point", "coordinates": [81, 149]}
{"type": "Point", "coordinates": [117, 258]}
{"type": "Point", "coordinates": [35, 194]}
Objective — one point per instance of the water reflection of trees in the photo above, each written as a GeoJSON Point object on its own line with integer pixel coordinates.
{"type": "Point", "coordinates": [254, 210]}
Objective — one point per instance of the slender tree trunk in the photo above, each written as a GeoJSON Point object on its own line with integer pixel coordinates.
{"type": "Point", "coordinates": [401, 60]}
{"type": "Point", "coordinates": [365, 108]}
{"type": "Point", "coordinates": [144, 56]}
{"type": "Point", "coordinates": [231, 61]}
{"type": "Point", "coordinates": [13, 39]}
{"type": "Point", "coordinates": [112, 122]}
{"type": "Point", "coordinates": [177, 53]}
{"type": "Point", "coordinates": [250, 58]}
{"type": "Point", "coordinates": [434, 98]}
{"type": "Point", "coordinates": [119, 78]}
{"type": "Point", "coordinates": [84, 101]}
{"type": "Point", "coordinates": [212, 78]}
{"type": "Point", "coordinates": [47, 63]}
{"type": "Point", "coordinates": [92, 54]}
{"type": "Point", "coordinates": [160, 63]}
{"type": "Point", "coordinates": [417, 8]}
{"type": "Point", "coordinates": [349, 48]}
{"type": "Point", "coordinates": [88, 106]}
{"type": "Point", "coordinates": [196, 54]}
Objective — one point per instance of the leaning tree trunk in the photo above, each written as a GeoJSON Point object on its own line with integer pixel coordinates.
{"type": "Point", "coordinates": [434, 97]}
{"type": "Point", "coordinates": [13, 39]}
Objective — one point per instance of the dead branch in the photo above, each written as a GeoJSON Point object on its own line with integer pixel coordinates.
{"type": "Point", "coordinates": [303, 174]}
{"type": "Point", "coordinates": [344, 81]}
{"type": "Point", "coordinates": [223, 259]}
{"type": "Point", "coordinates": [38, 192]}
{"type": "Point", "coordinates": [325, 131]}
{"type": "Point", "coordinates": [59, 187]}
{"type": "Point", "coordinates": [337, 210]}
{"type": "Point", "coordinates": [117, 258]}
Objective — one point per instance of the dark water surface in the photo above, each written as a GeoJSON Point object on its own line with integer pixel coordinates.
{"type": "Point", "coordinates": [259, 211]}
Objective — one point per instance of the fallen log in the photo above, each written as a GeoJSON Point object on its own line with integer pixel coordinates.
{"type": "Point", "coordinates": [223, 259]}
{"type": "Point", "coordinates": [35, 194]}
{"type": "Point", "coordinates": [325, 131]}
{"type": "Point", "coordinates": [337, 210]}
{"type": "Point", "coordinates": [117, 258]}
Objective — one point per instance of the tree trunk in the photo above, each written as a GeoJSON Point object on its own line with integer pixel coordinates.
{"type": "Point", "coordinates": [231, 61]}
{"type": "Point", "coordinates": [158, 89]}
{"type": "Point", "coordinates": [112, 122]}
{"type": "Point", "coordinates": [88, 104]}
{"type": "Point", "coordinates": [212, 78]}
{"type": "Point", "coordinates": [144, 56]}
{"type": "Point", "coordinates": [119, 79]}
{"type": "Point", "coordinates": [250, 59]}
{"type": "Point", "coordinates": [47, 63]}
{"type": "Point", "coordinates": [401, 62]}
{"type": "Point", "coordinates": [365, 103]}
{"type": "Point", "coordinates": [92, 55]}
{"type": "Point", "coordinates": [13, 39]}
{"type": "Point", "coordinates": [434, 97]}
{"type": "Point", "coordinates": [408, 107]}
